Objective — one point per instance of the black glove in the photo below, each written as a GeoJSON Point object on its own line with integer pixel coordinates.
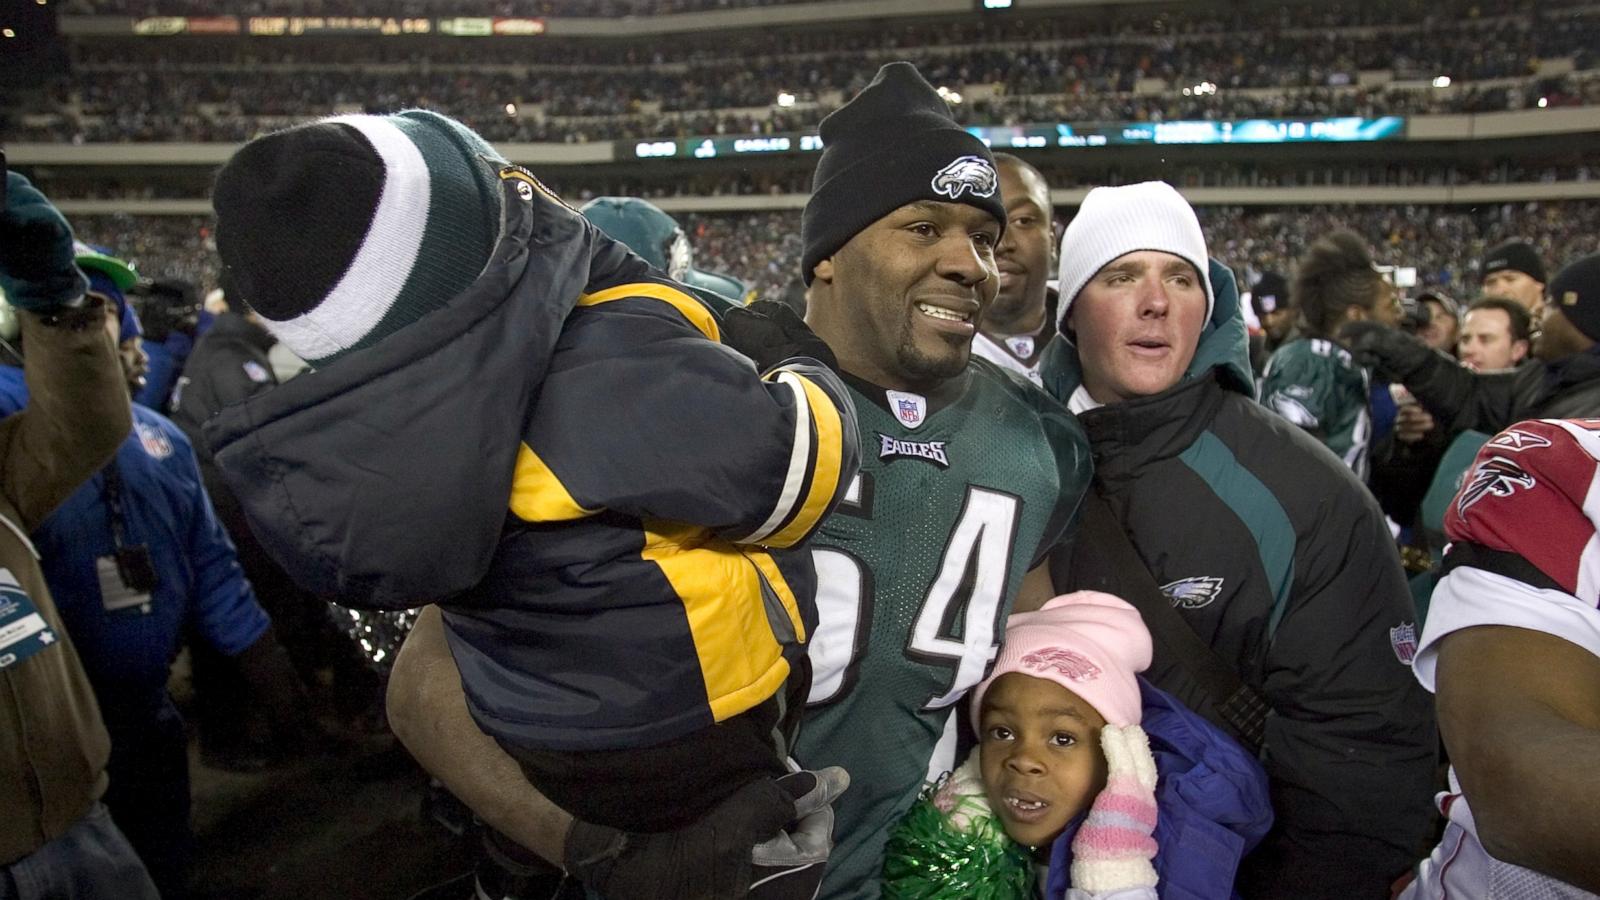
{"type": "Point", "coordinates": [770, 332]}
{"type": "Point", "coordinates": [1376, 346]}
{"type": "Point", "coordinates": [38, 267]}
{"type": "Point", "coordinates": [713, 858]}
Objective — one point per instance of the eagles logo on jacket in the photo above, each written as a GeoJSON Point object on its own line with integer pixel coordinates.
{"type": "Point", "coordinates": [607, 503]}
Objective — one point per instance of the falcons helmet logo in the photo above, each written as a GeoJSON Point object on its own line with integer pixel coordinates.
{"type": "Point", "coordinates": [1496, 475]}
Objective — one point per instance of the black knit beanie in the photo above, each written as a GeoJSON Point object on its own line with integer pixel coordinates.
{"type": "Point", "coordinates": [340, 232]}
{"type": "Point", "coordinates": [1270, 294]}
{"type": "Point", "coordinates": [1576, 292]}
{"type": "Point", "coordinates": [893, 144]}
{"type": "Point", "coordinates": [1516, 256]}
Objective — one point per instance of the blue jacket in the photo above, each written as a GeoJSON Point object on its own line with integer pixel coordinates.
{"type": "Point", "coordinates": [128, 653]}
{"type": "Point", "coordinates": [604, 500]}
{"type": "Point", "coordinates": [167, 359]}
{"type": "Point", "coordinates": [1212, 801]}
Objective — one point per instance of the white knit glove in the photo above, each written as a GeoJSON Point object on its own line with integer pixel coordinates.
{"type": "Point", "coordinates": [961, 796]}
{"type": "Point", "coordinates": [1115, 844]}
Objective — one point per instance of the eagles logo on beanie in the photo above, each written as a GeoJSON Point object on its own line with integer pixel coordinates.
{"type": "Point", "coordinates": [342, 231]}
{"type": "Point", "coordinates": [894, 143]}
{"type": "Point", "coordinates": [1090, 643]}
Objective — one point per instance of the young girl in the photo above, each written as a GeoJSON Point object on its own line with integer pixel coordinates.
{"type": "Point", "coordinates": [1064, 781]}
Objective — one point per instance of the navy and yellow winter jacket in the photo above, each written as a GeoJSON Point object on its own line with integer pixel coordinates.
{"type": "Point", "coordinates": [604, 500]}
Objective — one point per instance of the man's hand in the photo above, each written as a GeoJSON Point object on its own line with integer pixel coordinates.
{"type": "Point", "coordinates": [723, 854]}
{"type": "Point", "coordinates": [37, 268]}
{"type": "Point", "coordinates": [1412, 423]}
{"type": "Point", "coordinates": [770, 332]}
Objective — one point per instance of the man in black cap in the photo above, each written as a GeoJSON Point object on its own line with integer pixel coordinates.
{"type": "Point", "coordinates": [1278, 317]}
{"type": "Point", "coordinates": [961, 462]}
{"type": "Point", "coordinates": [1565, 385]}
{"type": "Point", "coordinates": [1514, 270]}
{"type": "Point", "coordinates": [969, 477]}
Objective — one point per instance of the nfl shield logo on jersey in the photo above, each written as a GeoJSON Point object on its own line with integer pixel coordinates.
{"type": "Point", "coordinates": [154, 442]}
{"type": "Point", "coordinates": [1403, 638]}
{"type": "Point", "coordinates": [256, 372]}
{"type": "Point", "coordinates": [910, 409]}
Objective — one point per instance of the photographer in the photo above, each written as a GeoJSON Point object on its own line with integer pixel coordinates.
{"type": "Point", "coordinates": [56, 839]}
{"type": "Point", "coordinates": [1438, 319]}
{"type": "Point", "coordinates": [169, 312]}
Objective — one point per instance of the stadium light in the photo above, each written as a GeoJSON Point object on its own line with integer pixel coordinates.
{"type": "Point", "coordinates": [8, 33]}
{"type": "Point", "coordinates": [1202, 89]}
{"type": "Point", "coordinates": [511, 110]}
{"type": "Point", "coordinates": [949, 95]}
{"type": "Point", "coordinates": [1544, 102]}
{"type": "Point", "coordinates": [1443, 81]}
{"type": "Point", "coordinates": [785, 99]}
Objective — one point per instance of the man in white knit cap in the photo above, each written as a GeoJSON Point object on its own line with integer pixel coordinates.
{"type": "Point", "coordinates": [1285, 617]}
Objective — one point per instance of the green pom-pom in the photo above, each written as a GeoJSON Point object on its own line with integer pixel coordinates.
{"type": "Point", "coordinates": [930, 858]}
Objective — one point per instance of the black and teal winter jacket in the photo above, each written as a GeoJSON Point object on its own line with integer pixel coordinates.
{"type": "Point", "coordinates": [1281, 561]}
{"type": "Point", "coordinates": [606, 502]}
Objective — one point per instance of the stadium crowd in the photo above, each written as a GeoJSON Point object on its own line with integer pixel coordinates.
{"type": "Point", "coordinates": [746, 182]}
{"type": "Point", "coordinates": [147, 92]}
{"type": "Point", "coordinates": [143, 116]}
{"type": "Point", "coordinates": [608, 9]}
{"type": "Point", "coordinates": [762, 250]}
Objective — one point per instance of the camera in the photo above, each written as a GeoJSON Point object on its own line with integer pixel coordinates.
{"type": "Point", "coordinates": [1415, 315]}
{"type": "Point", "coordinates": [1399, 276]}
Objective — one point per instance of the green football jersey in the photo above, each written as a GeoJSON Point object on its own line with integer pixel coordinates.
{"type": "Point", "coordinates": [1316, 385]}
{"type": "Point", "coordinates": [957, 498]}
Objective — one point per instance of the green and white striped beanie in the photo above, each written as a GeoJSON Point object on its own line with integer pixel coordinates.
{"type": "Point", "coordinates": [342, 231]}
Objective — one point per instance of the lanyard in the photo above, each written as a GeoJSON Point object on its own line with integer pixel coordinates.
{"type": "Point", "coordinates": [113, 496]}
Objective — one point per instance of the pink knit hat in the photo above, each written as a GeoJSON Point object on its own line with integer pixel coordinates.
{"type": "Point", "coordinates": [1090, 643]}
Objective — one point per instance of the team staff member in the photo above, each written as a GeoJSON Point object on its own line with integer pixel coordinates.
{"type": "Point", "coordinates": [56, 839]}
{"type": "Point", "coordinates": [138, 558]}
